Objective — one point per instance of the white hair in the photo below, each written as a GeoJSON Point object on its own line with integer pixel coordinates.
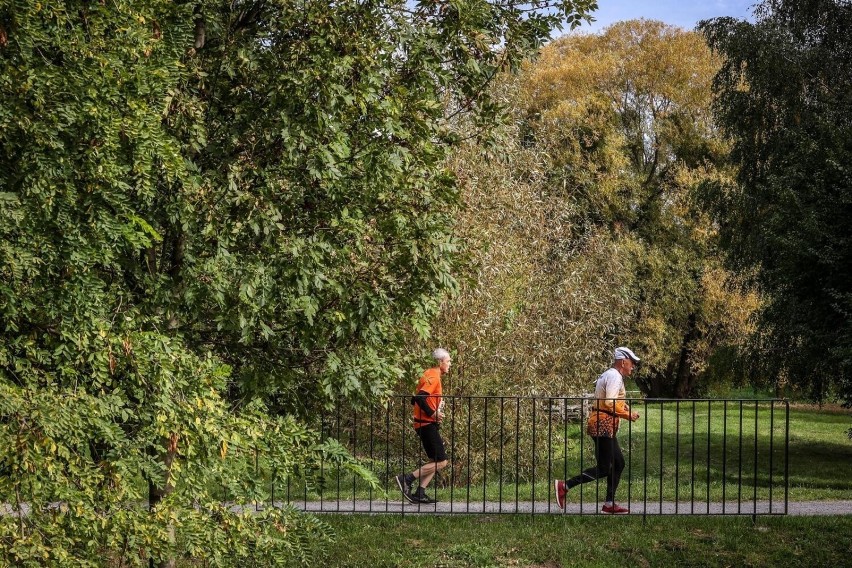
{"type": "Point", "coordinates": [440, 354]}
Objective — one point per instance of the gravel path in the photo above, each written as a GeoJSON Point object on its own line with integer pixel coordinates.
{"type": "Point", "coordinates": [774, 508]}
{"type": "Point", "coordinates": [798, 508]}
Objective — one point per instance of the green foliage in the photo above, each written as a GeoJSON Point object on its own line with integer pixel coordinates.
{"type": "Point", "coordinates": [540, 304]}
{"type": "Point", "coordinates": [215, 218]}
{"type": "Point", "coordinates": [789, 214]}
{"type": "Point", "coordinates": [77, 463]}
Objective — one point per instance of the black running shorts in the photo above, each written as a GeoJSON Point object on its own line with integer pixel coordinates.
{"type": "Point", "coordinates": [433, 445]}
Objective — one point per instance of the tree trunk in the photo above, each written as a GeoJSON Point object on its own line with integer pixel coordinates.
{"type": "Point", "coordinates": [159, 489]}
{"type": "Point", "coordinates": [684, 379]}
{"type": "Point", "coordinates": [652, 385]}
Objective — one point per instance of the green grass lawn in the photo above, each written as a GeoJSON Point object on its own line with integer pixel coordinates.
{"type": "Point", "coordinates": [820, 454]}
{"type": "Point", "coordinates": [553, 542]}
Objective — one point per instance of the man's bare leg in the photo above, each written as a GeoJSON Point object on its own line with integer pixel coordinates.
{"type": "Point", "coordinates": [427, 472]}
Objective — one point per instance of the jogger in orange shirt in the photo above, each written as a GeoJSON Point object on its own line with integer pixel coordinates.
{"type": "Point", "coordinates": [428, 413]}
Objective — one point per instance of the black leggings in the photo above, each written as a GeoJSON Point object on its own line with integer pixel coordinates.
{"type": "Point", "coordinates": [610, 465]}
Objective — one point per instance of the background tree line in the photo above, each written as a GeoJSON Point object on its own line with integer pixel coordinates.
{"type": "Point", "coordinates": [590, 225]}
{"type": "Point", "coordinates": [684, 192]}
{"type": "Point", "coordinates": [783, 94]}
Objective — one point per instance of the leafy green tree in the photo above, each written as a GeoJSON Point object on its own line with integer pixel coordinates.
{"type": "Point", "coordinates": [594, 224]}
{"type": "Point", "coordinates": [215, 218]}
{"type": "Point", "coordinates": [784, 94]}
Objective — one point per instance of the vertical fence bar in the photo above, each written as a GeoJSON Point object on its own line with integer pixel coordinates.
{"type": "Point", "coordinates": [771, 448]}
{"type": "Point", "coordinates": [786, 455]}
{"type": "Point", "coordinates": [598, 481]}
{"type": "Point", "coordinates": [740, 465]}
{"type": "Point", "coordinates": [725, 457]}
{"type": "Point", "coordinates": [388, 413]}
{"type": "Point", "coordinates": [565, 443]}
{"type": "Point", "coordinates": [418, 448]}
{"type": "Point", "coordinates": [692, 459]}
{"type": "Point", "coordinates": [532, 473]}
{"type": "Point", "coordinates": [549, 448]}
{"type": "Point", "coordinates": [354, 453]}
{"type": "Point", "coordinates": [322, 466]}
{"type": "Point", "coordinates": [372, 459]}
{"type": "Point", "coordinates": [402, 455]}
{"type": "Point", "coordinates": [337, 418]}
{"type": "Point", "coordinates": [517, 450]}
{"type": "Point", "coordinates": [677, 457]}
{"type": "Point", "coordinates": [484, 451]}
{"type": "Point", "coordinates": [500, 482]}
{"type": "Point", "coordinates": [582, 447]}
{"type": "Point", "coordinates": [453, 448]}
{"type": "Point", "coordinates": [438, 475]}
{"type": "Point", "coordinates": [613, 442]}
{"type": "Point", "coordinates": [709, 438]}
{"type": "Point", "coordinates": [662, 443]}
{"type": "Point", "coordinates": [630, 458]}
{"type": "Point", "coordinates": [754, 497]}
{"type": "Point", "coordinates": [469, 411]}
{"type": "Point", "coordinates": [645, 468]}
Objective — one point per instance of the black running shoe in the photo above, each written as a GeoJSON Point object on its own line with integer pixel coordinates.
{"type": "Point", "coordinates": [405, 486]}
{"type": "Point", "coordinates": [421, 497]}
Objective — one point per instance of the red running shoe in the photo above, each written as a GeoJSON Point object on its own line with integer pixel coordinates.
{"type": "Point", "coordinates": [561, 490]}
{"type": "Point", "coordinates": [614, 510]}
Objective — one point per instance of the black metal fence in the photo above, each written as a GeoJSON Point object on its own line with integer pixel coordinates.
{"type": "Point", "coordinates": [697, 456]}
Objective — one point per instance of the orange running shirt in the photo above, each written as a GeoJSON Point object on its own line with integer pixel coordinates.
{"type": "Point", "coordinates": [430, 383]}
{"type": "Point", "coordinates": [609, 405]}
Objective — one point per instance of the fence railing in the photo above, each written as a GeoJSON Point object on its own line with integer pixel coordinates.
{"type": "Point", "coordinates": [697, 456]}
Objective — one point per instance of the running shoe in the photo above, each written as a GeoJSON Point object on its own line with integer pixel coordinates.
{"type": "Point", "coordinates": [404, 481]}
{"type": "Point", "coordinates": [561, 490]}
{"type": "Point", "coordinates": [421, 497]}
{"type": "Point", "coordinates": [614, 510]}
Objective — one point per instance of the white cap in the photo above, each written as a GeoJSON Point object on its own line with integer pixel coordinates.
{"type": "Point", "coordinates": [440, 354]}
{"type": "Point", "coordinates": [625, 353]}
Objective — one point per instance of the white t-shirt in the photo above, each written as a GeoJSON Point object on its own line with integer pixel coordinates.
{"type": "Point", "coordinates": [610, 386]}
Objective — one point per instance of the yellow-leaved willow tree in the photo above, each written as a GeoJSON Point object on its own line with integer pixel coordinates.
{"type": "Point", "coordinates": [586, 223]}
